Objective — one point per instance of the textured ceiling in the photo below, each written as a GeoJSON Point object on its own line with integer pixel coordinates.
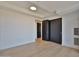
{"type": "Point", "coordinates": [45, 7]}
{"type": "Point", "coordinates": [27, 4]}
{"type": "Point", "coordinates": [55, 5]}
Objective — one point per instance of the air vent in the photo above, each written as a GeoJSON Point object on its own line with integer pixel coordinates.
{"type": "Point", "coordinates": [76, 31]}
{"type": "Point", "coordinates": [76, 41]}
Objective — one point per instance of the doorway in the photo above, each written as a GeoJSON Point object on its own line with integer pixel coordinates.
{"type": "Point", "coordinates": [38, 30]}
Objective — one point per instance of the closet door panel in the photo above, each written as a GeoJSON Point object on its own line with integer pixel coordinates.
{"type": "Point", "coordinates": [55, 30]}
{"type": "Point", "coordinates": [45, 30]}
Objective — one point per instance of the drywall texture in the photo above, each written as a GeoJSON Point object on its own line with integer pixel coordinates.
{"type": "Point", "coordinates": [16, 28]}
{"type": "Point", "coordinates": [69, 22]}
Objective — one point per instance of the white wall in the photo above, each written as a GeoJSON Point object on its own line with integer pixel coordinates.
{"type": "Point", "coordinates": [69, 22]}
{"type": "Point", "coordinates": [16, 29]}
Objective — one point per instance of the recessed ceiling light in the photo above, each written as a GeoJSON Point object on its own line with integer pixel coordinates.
{"type": "Point", "coordinates": [33, 8]}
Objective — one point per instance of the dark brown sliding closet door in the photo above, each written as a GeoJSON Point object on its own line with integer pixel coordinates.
{"type": "Point", "coordinates": [55, 30]}
{"type": "Point", "coordinates": [45, 30]}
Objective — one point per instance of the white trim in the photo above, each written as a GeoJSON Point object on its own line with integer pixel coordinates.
{"type": "Point", "coordinates": [17, 45]}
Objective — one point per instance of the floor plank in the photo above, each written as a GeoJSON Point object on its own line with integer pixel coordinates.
{"type": "Point", "coordinates": [45, 49]}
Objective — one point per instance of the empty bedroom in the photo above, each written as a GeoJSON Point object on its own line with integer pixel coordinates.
{"type": "Point", "coordinates": [39, 28]}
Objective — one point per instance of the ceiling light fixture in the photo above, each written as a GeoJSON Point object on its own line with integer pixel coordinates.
{"type": "Point", "coordinates": [33, 8]}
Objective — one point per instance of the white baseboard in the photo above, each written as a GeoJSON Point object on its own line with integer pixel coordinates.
{"type": "Point", "coordinates": [17, 45]}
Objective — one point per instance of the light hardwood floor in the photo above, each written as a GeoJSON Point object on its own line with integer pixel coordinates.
{"type": "Point", "coordinates": [45, 49]}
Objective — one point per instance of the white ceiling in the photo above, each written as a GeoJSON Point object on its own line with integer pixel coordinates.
{"type": "Point", "coordinates": [55, 5]}
{"type": "Point", "coordinates": [26, 4]}
{"type": "Point", "coordinates": [45, 7]}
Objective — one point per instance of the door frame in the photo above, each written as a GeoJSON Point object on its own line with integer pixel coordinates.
{"type": "Point", "coordinates": [38, 21]}
{"type": "Point", "coordinates": [60, 29]}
